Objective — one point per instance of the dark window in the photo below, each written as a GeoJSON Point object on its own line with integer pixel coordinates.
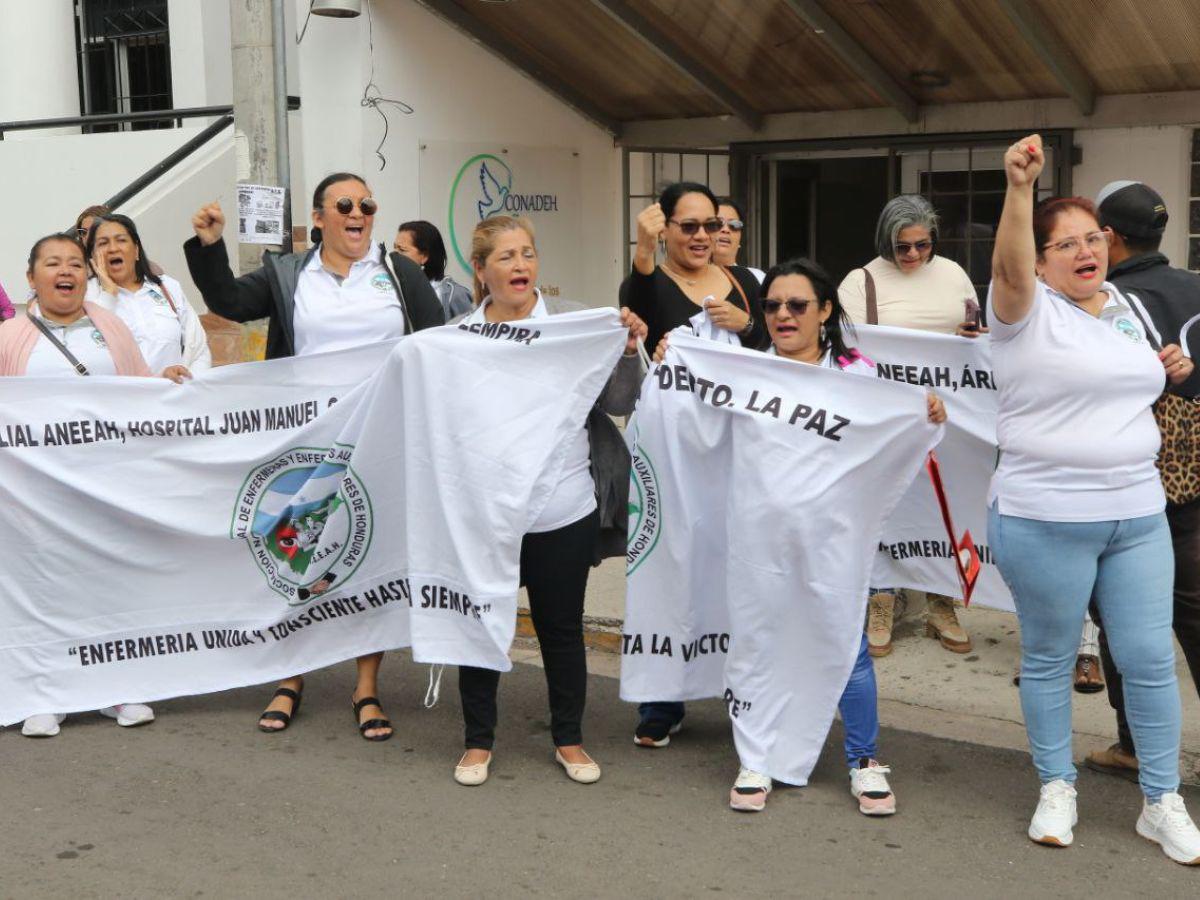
{"type": "Point", "coordinates": [124, 59]}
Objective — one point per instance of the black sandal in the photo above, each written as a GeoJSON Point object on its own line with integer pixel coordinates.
{"type": "Point", "coordinates": [364, 727]}
{"type": "Point", "coordinates": [278, 715]}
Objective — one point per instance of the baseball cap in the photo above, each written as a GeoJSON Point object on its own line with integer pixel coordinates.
{"type": "Point", "coordinates": [1132, 208]}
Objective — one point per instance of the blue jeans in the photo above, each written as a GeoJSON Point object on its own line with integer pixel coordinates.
{"type": "Point", "coordinates": [667, 711]}
{"type": "Point", "coordinates": [859, 707]}
{"type": "Point", "coordinates": [1053, 570]}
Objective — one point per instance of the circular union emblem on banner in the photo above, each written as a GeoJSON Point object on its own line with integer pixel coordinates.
{"type": "Point", "coordinates": [645, 512]}
{"type": "Point", "coordinates": [306, 518]}
{"type": "Point", "coordinates": [484, 180]}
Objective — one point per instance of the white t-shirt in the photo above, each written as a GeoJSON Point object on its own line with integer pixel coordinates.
{"type": "Point", "coordinates": [336, 314]}
{"type": "Point", "coordinates": [166, 336]}
{"type": "Point", "coordinates": [931, 298]}
{"type": "Point", "coordinates": [83, 339]}
{"type": "Point", "coordinates": [1077, 437]}
{"type": "Point", "coordinates": [575, 494]}
{"type": "Point", "coordinates": [757, 273]}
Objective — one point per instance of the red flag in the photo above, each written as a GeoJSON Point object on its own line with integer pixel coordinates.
{"type": "Point", "coordinates": [966, 557]}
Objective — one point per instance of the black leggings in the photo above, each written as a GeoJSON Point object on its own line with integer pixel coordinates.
{"type": "Point", "coordinates": [554, 570]}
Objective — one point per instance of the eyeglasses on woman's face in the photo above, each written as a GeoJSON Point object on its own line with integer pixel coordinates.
{"type": "Point", "coordinates": [1070, 246]}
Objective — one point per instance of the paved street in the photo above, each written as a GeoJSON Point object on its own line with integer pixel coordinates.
{"type": "Point", "coordinates": [201, 804]}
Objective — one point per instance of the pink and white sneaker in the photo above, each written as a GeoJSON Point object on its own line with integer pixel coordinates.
{"type": "Point", "coordinates": [869, 786]}
{"type": "Point", "coordinates": [749, 792]}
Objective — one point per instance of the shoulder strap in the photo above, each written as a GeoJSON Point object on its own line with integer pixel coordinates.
{"type": "Point", "coordinates": [872, 304]}
{"type": "Point", "coordinates": [44, 329]}
{"type": "Point", "coordinates": [741, 291]}
{"type": "Point", "coordinates": [175, 309]}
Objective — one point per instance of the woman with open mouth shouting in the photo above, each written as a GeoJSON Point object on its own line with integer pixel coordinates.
{"type": "Point", "coordinates": [585, 519]}
{"type": "Point", "coordinates": [685, 223]}
{"type": "Point", "coordinates": [153, 306]}
{"type": "Point", "coordinates": [1077, 507]}
{"type": "Point", "coordinates": [62, 335]}
{"type": "Point", "coordinates": [344, 292]}
{"type": "Point", "coordinates": [807, 324]}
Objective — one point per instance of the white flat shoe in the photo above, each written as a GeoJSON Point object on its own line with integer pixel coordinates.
{"type": "Point", "coordinates": [584, 773]}
{"type": "Point", "coordinates": [472, 775]}
{"type": "Point", "coordinates": [42, 725]}
{"type": "Point", "coordinates": [129, 714]}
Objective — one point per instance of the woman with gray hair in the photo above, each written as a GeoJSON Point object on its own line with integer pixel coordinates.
{"type": "Point", "coordinates": [909, 286]}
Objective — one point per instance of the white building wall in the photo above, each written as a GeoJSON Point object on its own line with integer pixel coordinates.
{"type": "Point", "coordinates": [1159, 156]}
{"type": "Point", "coordinates": [38, 69]}
{"type": "Point", "coordinates": [460, 92]}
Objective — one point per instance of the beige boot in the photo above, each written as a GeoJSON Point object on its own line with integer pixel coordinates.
{"type": "Point", "coordinates": [881, 609]}
{"type": "Point", "coordinates": [941, 622]}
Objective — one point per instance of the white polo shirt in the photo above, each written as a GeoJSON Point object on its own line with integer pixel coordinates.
{"type": "Point", "coordinates": [83, 339]}
{"type": "Point", "coordinates": [166, 336]}
{"type": "Point", "coordinates": [335, 314]}
{"type": "Point", "coordinates": [575, 494]}
{"type": "Point", "coordinates": [1077, 436]}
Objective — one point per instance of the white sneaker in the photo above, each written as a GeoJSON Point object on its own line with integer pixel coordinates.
{"type": "Point", "coordinates": [129, 714]}
{"type": "Point", "coordinates": [1168, 824]}
{"type": "Point", "coordinates": [42, 725]}
{"type": "Point", "coordinates": [1055, 815]}
{"type": "Point", "coordinates": [869, 786]}
{"type": "Point", "coordinates": [749, 793]}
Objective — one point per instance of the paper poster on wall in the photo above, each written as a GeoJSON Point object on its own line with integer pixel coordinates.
{"type": "Point", "coordinates": [260, 214]}
{"type": "Point", "coordinates": [463, 183]}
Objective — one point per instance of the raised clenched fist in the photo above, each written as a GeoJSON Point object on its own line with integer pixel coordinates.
{"type": "Point", "coordinates": [1023, 161]}
{"type": "Point", "coordinates": [208, 223]}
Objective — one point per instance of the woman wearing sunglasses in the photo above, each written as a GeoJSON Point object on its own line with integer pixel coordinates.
{"type": "Point", "coordinates": [684, 222]}
{"type": "Point", "coordinates": [728, 242]}
{"type": "Point", "coordinates": [807, 324]}
{"type": "Point", "coordinates": [909, 285]}
{"type": "Point", "coordinates": [345, 292]}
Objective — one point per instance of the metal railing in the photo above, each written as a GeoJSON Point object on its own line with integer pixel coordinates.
{"type": "Point", "coordinates": [164, 165]}
{"type": "Point", "coordinates": [156, 115]}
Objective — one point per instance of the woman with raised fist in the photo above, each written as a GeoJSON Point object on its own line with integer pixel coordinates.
{"type": "Point", "coordinates": [1076, 505]}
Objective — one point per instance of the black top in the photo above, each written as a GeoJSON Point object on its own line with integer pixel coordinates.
{"type": "Point", "coordinates": [663, 305]}
{"type": "Point", "coordinates": [1170, 297]}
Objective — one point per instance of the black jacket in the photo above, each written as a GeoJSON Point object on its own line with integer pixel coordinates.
{"type": "Point", "coordinates": [269, 292]}
{"type": "Point", "coordinates": [1170, 299]}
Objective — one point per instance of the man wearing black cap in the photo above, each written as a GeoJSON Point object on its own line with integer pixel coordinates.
{"type": "Point", "coordinates": [1167, 300]}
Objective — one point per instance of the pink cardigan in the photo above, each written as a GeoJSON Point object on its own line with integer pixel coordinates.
{"type": "Point", "coordinates": [19, 336]}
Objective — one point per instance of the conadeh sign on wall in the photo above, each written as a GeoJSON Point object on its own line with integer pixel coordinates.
{"type": "Point", "coordinates": [463, 183]}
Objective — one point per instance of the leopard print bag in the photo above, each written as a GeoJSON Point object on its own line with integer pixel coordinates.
{"type": "Point", "coordinates": [1179, 460]}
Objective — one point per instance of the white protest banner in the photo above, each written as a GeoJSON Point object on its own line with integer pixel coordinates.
{"type": "Point", "coordinates": [914, 551]}
{"type": "Point", "coordinates": [759, 489]}
{"type": "Point", "coordinates": [271, 518]}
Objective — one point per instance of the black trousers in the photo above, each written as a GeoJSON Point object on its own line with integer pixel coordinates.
{"type": "Point", "coordinates": [1185, 536]}
{"type": "Point", "coordinates": [554, 570]}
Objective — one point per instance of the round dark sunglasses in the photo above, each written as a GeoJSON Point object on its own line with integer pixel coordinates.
{"type": "Point", "coordinates": [345, 206]}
